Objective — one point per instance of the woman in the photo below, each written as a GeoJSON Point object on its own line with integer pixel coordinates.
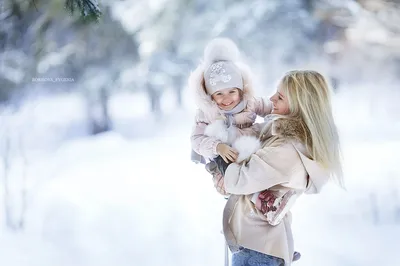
{"type": "Point", "coordinates": [300, 151]}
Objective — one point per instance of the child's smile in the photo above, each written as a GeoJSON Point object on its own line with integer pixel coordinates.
{"type": "Point", "coordinates": [227, 99]}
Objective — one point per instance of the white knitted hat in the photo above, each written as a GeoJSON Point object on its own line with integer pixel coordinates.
{"type": "Point", "coordinates": [221, 72]}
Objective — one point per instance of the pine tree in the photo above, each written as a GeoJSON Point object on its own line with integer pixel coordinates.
{"type": "Point", "coordinates": [89, 9]}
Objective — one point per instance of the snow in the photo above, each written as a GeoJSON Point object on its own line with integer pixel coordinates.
{"type": "Point", "coordinates": [133, 197]}
{"type": "Point", "coordinates": [126, 199]}
{"type": "Point", "coordinates": [102, 208]}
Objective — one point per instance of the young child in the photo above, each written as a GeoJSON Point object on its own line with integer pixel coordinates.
{"type": "Point", "coordinates": [227, 108]}
{"type": "Point", "coordinates": [225, 127]}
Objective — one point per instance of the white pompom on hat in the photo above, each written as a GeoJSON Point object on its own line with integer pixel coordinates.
{"type": "Point", "coordinates": [221, 49]}
{"type": "Point", "coordinates": [221, 71]}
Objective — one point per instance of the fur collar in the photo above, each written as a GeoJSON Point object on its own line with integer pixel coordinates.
{"type": "Point", "coordinates": [204, 101]}
{"type": "Point", "coordinates": [284, 127]}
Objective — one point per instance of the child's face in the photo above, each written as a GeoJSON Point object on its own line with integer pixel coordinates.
{"type": "Point", "coordinates": [280, 102]}
{"type": "Point", "coordinates": [227, 99]}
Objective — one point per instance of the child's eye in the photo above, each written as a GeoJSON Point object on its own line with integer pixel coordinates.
{"type": "Point", "coordinates": [280, 98]}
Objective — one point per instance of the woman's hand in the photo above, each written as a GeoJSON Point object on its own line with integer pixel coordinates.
{"type": "Point", "coordinates": [227, 153]}
{"type": "Point", "coordinates": [265, 201]}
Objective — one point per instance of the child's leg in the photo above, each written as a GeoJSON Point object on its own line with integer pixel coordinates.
{"type": "Point", "coordinates": [197, 158]}
{"type": "Point", "coordinates": [217, 177]}
{"type": "Point", "coordinates": [211, 167]}
{"type": "Point", "coordinates": [296, 256]}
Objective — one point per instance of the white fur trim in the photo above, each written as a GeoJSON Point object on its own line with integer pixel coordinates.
{"type": "Point", "coordinates": [246, 146]}
{"type": "Point", "coordinates": [217, 129]}
{"type": "Point", "coordinates": [204, 101]}
{"type": "Point", "coordinates": [221, 49]}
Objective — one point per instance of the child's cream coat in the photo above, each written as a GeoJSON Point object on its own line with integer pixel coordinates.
{"type": "Point", "coordinates": [209, 129]}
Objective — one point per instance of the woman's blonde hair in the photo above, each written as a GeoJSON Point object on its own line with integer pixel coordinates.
{"type": "Point", "coordinates": [309, 98]}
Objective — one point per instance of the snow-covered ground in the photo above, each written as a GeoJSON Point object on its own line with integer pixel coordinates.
{"type": "Point", "coordinates": [132, 196]}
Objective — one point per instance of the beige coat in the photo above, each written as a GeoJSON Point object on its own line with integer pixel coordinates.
{"type": "Point", "coordinates": [208, 113]}
{"type": "Point", "coordinates": [282, 164]}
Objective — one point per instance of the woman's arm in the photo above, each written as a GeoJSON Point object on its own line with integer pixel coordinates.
{"type": "Point", "coordinates": [266, 168]}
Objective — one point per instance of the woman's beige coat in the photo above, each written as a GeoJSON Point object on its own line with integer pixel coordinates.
{"type": "Point", "coordinates": [281, 165]}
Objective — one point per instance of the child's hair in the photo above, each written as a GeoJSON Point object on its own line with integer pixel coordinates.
{"type": "Point", "coordinates": [309, 98]}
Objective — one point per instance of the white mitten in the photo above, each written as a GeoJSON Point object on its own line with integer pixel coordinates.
{"type": "Point", "coordinates": [217, 129]}
{"type": "Point", "coordinates": [246, 146]}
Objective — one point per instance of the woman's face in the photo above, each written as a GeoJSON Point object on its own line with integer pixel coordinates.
{"type": "Point", "coordinates": [280, 103]}
{"type": "Point", "coordinates": [227, 99]}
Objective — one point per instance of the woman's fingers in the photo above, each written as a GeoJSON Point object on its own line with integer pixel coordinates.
{"type": "Point", "coordinates": [263, 194]}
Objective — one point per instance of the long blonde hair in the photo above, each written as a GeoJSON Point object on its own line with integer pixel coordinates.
{"type": "Point", "coordinates": [309, 98]}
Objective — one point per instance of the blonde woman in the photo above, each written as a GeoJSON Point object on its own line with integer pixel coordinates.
{"type": "Point", "coordinates": [300, 151]}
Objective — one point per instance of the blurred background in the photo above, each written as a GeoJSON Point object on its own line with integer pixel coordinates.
{"type": "Point", "coordinates": [96, 119]}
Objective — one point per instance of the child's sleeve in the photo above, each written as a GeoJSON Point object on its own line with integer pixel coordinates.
{"type": "Point", "coordinates": [244, 119]}
{"type": "Point", "coordinates": [262, 107]}
{"type": "Point", "coordinates": [252, 130]}
{"type": "Point", "coordinates": [202, 144]}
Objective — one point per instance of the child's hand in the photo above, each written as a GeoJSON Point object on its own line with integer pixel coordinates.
{"type": "Point", "coordinates": [227, 152]}
{"type": "Point", "coordinates": [244, 119]}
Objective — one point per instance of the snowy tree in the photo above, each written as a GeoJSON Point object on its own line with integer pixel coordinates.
{"type": "Point", "coordinates": [15, 49]}
{"type": "Point", "coordinates": [103, 51]}
{"type": "Point", "coordinates": [384, 28]}
{"type": "Point", "coordinates": [162, 33]}
{"type": "Point", "coordinates": [89, 9]}
{"type": "Point", "coordinates": [14, 165]}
